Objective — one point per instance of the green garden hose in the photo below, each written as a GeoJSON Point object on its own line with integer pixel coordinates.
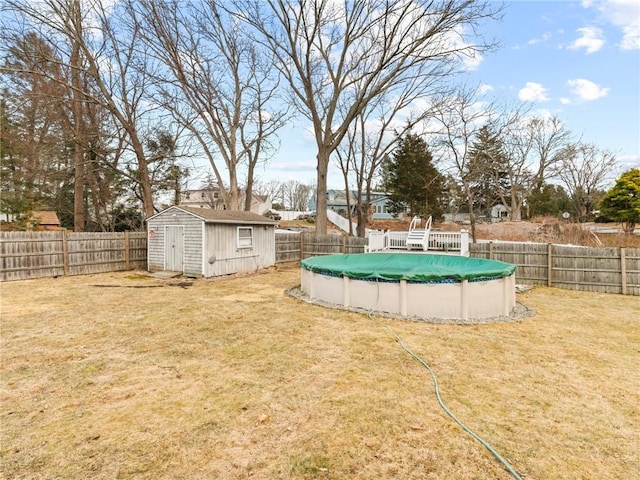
{"type": "Point", "coordinates": [448, 412]}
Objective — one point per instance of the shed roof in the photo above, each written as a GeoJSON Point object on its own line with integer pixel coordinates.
{"type": "Point", "coordinates": [210, 215]}
{"type": "Point", "coordinates": [46, 217]}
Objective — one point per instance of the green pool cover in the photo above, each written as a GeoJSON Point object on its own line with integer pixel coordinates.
{"type": "Point", "coordinates": [407, 266]}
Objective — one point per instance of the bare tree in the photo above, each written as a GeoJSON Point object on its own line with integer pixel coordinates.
{"type": "Point", "coordinates": [456, 121]}
{"type": "Point", "coordinates": [97, 37]}
{"type": "Point", "coordinates": [550, 138]}
{"type": "Point", "coordinates": [272, 189]}
{"type": "Point", "coordinates": [371, 137]}
{"type": "Point", "coordinates": [339, 57]}
{"type": "Point", "coordinates": [296, 195]}
{"type": "Point", "coordinates": [61, 134]}
{"type": "Point", "coordinates": [583, 170]}
{"type": "Point", "coordinates": [74, 19]}
{"type": "Point", "coordinates": [218, 84]}
{"type": "Point", "coordinates": [534, 148]}
{"type": "Point", "coordinates": [503, 154]}
{"type": "Point", "coordinates": [360, 157]}
{"type": "Point", "coordinates": [519, 156]}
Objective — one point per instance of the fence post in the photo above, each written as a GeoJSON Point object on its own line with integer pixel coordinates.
{"type": "Point", "coordinates": [127, 251]}
{"type": "Point", "coordinates": [344, 244]}
{"type": "Point", "coordinates": [301, 245]}
{"type": "Point", "coordinates": [549, 264]}
{"type": "Point", "coordinates": [490, 250]}
{"type": "Point", "coordinates": [464, 243]}
{"type": "Point", "coordinates": [623, 270]}
{"type": "Point", "coordinates": [65, 254]}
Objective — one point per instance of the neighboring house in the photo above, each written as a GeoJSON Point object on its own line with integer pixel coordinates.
{"type": "Point", "coordinates": [337, 201]}
{"type": "Point", "coordinates": [210, 197]}
{"type": "Point", "coordinates": [260, 204]}
{"type": "Point", "coordinates": [208, 243]}
{"type": "Point", "coordinates": [7, 217]}
{"type": "Point", "coordinates": [206, 197]}
{"type": "Point", "coordinates": [500, 213]}
{"type": "Point", "coordinates": [47, 220]}
{"type": "Point", "coordinates": [379, 204]}
{"type": "Point", "coordinates": [497, 213]}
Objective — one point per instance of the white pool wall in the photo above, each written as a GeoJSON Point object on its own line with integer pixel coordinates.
{"type": "Point", "coordinates": [462, 300]}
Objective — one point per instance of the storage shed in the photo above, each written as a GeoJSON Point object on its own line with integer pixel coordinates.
{"type": "Point", "coordinates": [206, 242]}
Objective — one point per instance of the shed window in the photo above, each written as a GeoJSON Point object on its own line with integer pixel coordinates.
{"type": "Point", "coordinates": [245, 237]}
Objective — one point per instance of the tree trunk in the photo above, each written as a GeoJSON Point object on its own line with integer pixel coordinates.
{"type": "Point", "coordinates": [143, 173]}
{"type": "Point", "coordinates": [249, 190]}
{"type": "Point", "coordinates": [321, 190]}
{"type": "Point", "coordinates": [362, 221]}
{"type": "Point", "coordinates": [363, 213]}
{"type": "Point", "coordinates": [514, 214]}
{"type": "Point", "coordinates": [347, 193]}
{"type": "Point", "coordinates": [234, 197]}
{"type": "Point", "coordinates": [472, 216]}
{"type": "Point", "coordinates": [78, 145]}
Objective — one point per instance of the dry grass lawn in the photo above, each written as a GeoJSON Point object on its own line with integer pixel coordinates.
{"type": "Point", "coordinates": [231, 379]}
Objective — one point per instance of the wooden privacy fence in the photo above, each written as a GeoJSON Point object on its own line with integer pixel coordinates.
{"type": "Point", "coordinates": [25, 255]}
{"type": "Point", "coordinates": [293, 247]}
{"type": "Point", "coordinates": [608, 270]}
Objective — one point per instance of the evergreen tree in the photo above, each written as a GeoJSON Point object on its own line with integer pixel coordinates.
{"type": "Point", "coordinates": [34, 151]}
{"type": "Point", "coordinates": [413, 182]}
{"type": "Point", "coordinates": [487, 176]}
{"type": "Point", "coordinates": [622, 202]}
{"type": "Point", "coordinates": [550, 200]}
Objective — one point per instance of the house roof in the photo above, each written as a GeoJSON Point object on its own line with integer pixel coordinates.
{"type": "Point", "coordinates": [210, 215]}
{"type": "Point", "coordinates": [46, 217]}
{"type": "Point", "coordinates": [339, 197]}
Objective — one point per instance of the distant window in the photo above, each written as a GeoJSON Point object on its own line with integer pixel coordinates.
{"type": "Point", "coordinates": [245, 237]}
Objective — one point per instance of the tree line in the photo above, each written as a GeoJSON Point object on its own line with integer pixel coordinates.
{"type": "Point", "coordinates": [527, 165]}
{"type": "Point", "coordinates": [105, 105]}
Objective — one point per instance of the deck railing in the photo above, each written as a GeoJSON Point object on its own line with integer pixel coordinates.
{"type": "Point", "coordinates": [450, 243]}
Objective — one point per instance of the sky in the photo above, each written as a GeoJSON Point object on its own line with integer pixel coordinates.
{"type": "Point", "coordinates": [577, 60]}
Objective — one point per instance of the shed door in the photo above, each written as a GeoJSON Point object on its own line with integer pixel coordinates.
{"type": "Point", "coordinates": [173, 248]}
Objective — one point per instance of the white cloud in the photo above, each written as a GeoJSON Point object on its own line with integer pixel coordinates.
{"type": "Point", "coordinates": [472, 62]}
{"type": "Point", "coordinates": [627, 162]}
{"type": "Point", "coordinates": [544, 114]}
{"type": "Point", "coordinates": [591, 40]}
{"type": "Point", "coordinates": [624, 14]}
{"type": "Point", "coordinates": [565, 100]}
{"type": "Point", "coordinates": [533, 92]}
{"type": "Point", "coordinates": [545, 36]}
{"type": "Point", "coordinates": [631, 37]}
{"type": "Point", "coordinates": [307, 165]}
{"type": "Point", "coordinates": [455, 40]}
{"type": "Point", "coordinates": [484, 88]}
{"type": "Point", "coordinates": [586, 90]}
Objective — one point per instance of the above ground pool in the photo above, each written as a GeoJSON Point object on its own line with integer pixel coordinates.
{"type": "Point", "coordinates": [412, 285]}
